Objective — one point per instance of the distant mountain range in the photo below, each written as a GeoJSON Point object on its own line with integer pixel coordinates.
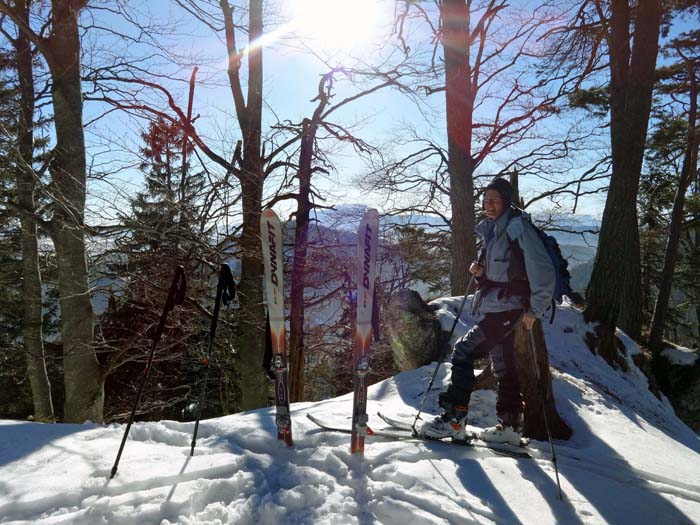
{"type": "Point", "coordinates": [577, 234]}
{"type": "Point", "coordinates": [580, 228]}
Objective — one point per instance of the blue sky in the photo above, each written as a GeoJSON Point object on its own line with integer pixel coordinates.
{"type": "Point", "coordinates": [291, 78]}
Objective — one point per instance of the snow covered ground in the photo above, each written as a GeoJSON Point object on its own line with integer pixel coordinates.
{"type": "Point", "coordinates": [630, 461]}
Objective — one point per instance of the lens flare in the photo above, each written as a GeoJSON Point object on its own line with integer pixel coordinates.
{"type": "Point", "coordinates": [335, 25]}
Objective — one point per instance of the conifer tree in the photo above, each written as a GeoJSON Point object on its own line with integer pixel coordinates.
{"type": "Point", "coordinates": [681, 81]}
{"type": "Point", "coordinates": [164, 217]}
{"type": "Point", "coordinates": [22, 350]}
{"type": "Point", "coordinates": [163, 230]}
{"type": "Point", "coordinates": [11, 362]}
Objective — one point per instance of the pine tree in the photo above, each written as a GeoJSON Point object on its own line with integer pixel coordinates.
{"type": "Point", "coordinates": [164, 217]}
{"type": "Point", "coordinates": [164, 229]}
{"type": "Point", "coordinates": [614, 292]}
{"type": "Point", "coordinates": [656, 191]}
{"type": "Point", "coordinates": [16, 396]}
{"type": "Point", "coordinates": [680, 80]}
{"type": "Point", "coordinates": [22, 353]}
{"type": "Point", "coordinates": [10, 249]}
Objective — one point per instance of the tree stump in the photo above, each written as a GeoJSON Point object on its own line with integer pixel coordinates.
{"type": "Point", "coordinates": [535, 391]}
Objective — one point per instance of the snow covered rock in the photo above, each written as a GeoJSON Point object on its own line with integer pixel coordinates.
{"type": "Point", "coordinates": [682, 377]}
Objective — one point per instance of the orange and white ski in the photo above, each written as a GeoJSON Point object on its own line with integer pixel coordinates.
{"type": "Point", "coordinates": [271, 236]}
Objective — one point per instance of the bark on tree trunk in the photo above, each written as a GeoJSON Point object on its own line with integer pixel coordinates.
{"type": "Point", "coordinates": [688, 169]}
{"type": "Point", "coordinates": [647, 270]}
{"type": "Point", "coordinates": [83, 379]}
{"type": "Point", "coordinates": [251, 326]}
{"type": "Point", "coordinates": [301, 234]}
{"type": "Point", "coordinates": [534, 391]}
{"type": "Point", "coordinates": [31, 277]}
{"type": "Point", "coordinates": [613, 294]}
{"type": "Point", "coordinates": [301, 237]}
{"type": "Point", "coordinates": [32, 319]}
{"type": "Point", "coordinates": [459, 101]}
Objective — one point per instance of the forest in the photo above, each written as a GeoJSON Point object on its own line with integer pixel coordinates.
{"type": "Point", "coordinates": [140, 136]}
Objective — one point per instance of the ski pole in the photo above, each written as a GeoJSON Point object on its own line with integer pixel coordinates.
{"type": "Point", "coordinates": [225, 291]}
{"type": "Point", "coordinates": [446, 346]}
{"type": "Point", "coordinates": [544, 411]}
{"type": "Point", "coordinates": [176, 296]}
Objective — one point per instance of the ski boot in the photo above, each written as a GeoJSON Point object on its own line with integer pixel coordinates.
{"type": "Point", "coordinates": [508, 430]}
{"type": "Point", "coordinates": [452, 423]}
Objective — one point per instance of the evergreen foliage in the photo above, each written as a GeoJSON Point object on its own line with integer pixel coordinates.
{"type": "Point", "coordinates": [670, 170]}
{"type": "Point", "coordinates": [164, 229]}
{"type": "Point", "coordinates": [15, 391]}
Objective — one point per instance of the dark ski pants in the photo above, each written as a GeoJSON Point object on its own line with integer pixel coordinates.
{"type": "Point", "coordinates": [494, 334]}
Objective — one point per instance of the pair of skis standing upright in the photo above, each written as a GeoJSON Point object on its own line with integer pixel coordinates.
{"type": "Point", "coordinates": [271, 234]}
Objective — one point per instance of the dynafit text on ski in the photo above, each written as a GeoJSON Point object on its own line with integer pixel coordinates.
{"type": "Point", "coordinates": [271, 235]}
{"type": "Point", "coordinates": [367, 239]}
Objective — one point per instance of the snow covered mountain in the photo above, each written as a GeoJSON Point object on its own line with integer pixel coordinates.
{"type": "Point", "coordinates": [630, 461]}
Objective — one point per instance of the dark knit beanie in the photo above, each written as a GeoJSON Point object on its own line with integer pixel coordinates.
{"type": "Point", "coordinates": [504, 189]}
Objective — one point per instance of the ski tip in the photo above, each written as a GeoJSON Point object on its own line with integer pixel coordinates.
{"type": "Point", "coordinates": [372, 213]}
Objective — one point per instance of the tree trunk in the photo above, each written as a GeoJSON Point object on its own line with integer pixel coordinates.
{"type": "Point", "coordinates": [251, 328]}
{"type": "Point", "coordinates": [301, 235]}
{"type": "Point", "coordinates": [688, 169]}
{"type": "Point", "coordinates": [515, 183]}
{"type": "Point", "coordinates": [648, 248]}
{"type": "Point", "coordinates": [84, 383]}
{"type": "Point", "coordinates": [251, 325]}
{"type": "Point", "coordinates": [610, 275]}
{"type": "Point", "coordinates": [614, 292]}
{"type": "Point", "coordinates": [459, 101]}
{"type": "Point", "coordinates": [535, 391]}
{"type": "Point", "coordinates": [301, 239]}
{"type": "Point", "coordinates": [31, 277]}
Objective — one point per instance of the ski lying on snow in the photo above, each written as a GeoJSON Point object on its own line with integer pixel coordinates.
{"type": "Point", "coordinates": [489, 449]}
{"type": "Point", "coordinates": [472, 432]}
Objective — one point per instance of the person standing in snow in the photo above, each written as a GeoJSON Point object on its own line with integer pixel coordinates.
{"type": "Point", "coordinates": [516, 282]}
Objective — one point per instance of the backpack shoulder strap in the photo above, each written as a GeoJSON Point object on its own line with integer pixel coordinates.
{"type": "Point", "coordinates": [514, 228]}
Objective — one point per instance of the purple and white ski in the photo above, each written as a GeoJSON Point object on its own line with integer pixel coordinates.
{"type": "Point", "coordinates": [367, 239]}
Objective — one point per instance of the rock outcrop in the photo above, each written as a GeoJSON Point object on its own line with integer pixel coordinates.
{"type": "Point", "coordinates": [413, 329]}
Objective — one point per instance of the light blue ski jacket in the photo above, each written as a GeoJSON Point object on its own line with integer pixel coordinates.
{"type": "Point", "coordinates": [497, 236]}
